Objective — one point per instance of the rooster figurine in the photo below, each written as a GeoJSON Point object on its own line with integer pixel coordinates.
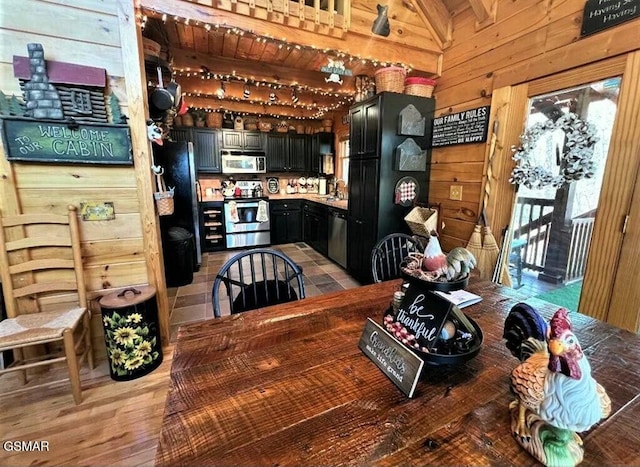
{"type": "Point", "coordinates": [556, 396]}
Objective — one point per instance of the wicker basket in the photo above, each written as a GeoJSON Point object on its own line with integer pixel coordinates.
{"type": "Point", "coordinates": [422, 221]}
{"type": "Point", "coordinates": [163, 197]}
{"type": "Point", "coordinates": [417, 86]}
{"type": "Point", "coordinates": [214, 120]}
{"type": "Point", "coordinates": [390, 79]}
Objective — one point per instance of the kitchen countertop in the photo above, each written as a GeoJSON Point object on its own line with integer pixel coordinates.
{"type": "Point", "coordinates": [322, 199]}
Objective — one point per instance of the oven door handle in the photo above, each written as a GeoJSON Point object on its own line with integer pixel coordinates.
{"type": "Point", "coordinates": [240, 204]}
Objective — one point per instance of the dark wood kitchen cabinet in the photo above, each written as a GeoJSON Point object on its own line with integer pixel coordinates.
{"type": "Point", "coordinates": [242, 140]}
{"type": "Point", "coordinates": [373, 139]}
{"type": "Point", "coordinates": [286, 152]}
{"type": "Point", "coordinates": [315, 227]}
{"type": "Point", "coordinates": [286, 221]}
{"type": "Point", "coordinates": [298, 153]}
{"type": "Point", "coordinates": [206, 150]}
{"type": "Point", "coordinates": [321, 143]}
{"type": "Point", "coordinates": [361, 218]}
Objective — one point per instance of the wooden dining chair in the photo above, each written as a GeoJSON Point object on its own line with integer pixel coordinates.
{"type": "Point", "coordinates": [389, 252]}
{"type": "Point", "coordinates": [45, 296]}
{"type": "Point", "coordinates": [257, 278]}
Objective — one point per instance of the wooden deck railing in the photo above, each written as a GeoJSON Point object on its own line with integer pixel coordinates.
{"type": "Point", "coordinates": [581, 230]}
{"type": "Point", "coordinates": [532, 224]}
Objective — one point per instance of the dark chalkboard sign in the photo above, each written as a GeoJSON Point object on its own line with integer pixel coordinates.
{"type": "Point", "coordinates": [401, 365]}
{"type": "Point", "coordinates": [469, 126]}
{"type": "Point", "coordinates": [59, 141]}
{"type": "Point", "coordinates": [423, 313]}
{"type": "Point", "coordinates": [599, 15]}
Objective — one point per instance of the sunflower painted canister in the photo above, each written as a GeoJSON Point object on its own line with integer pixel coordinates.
{"type": "Point", "coordinates": [130, 321]}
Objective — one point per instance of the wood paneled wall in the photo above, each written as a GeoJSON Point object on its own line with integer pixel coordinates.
{"type": "Point", "coordinates": [84, 32]}
{"type": "Point", "coordinates": [529, 39]}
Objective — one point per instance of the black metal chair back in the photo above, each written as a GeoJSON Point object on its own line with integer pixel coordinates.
{"type": "Point", "coordinates": [257, 278]}
{"type": "Point", "coordinates": [389, 252]}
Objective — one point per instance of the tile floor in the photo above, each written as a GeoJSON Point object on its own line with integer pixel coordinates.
{"type": "Point", "coordinates": [193, 302]}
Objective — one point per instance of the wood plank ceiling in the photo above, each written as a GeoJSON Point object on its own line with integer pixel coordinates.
{"type": "Point", "coordinates": [225, 67]}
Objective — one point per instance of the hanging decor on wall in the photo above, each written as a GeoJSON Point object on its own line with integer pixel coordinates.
{"type": "Point", "coordinates": [575, 156]}
{"type": "Point", "coordinates": [410, 157]}
{"type": "Point", "coordinates": [66, 116]}
{"type": "Point", "coordinates": [380, 25]}
{"type": "Point", "coordinates": [411, 122]}
{"type": "Point", "coordinates": [335, 68]}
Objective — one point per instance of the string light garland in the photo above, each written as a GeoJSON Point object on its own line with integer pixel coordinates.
{"type": "Point", "coordinates": [207, 75]}
{"type": "Point", "coordinates": [261, 38]}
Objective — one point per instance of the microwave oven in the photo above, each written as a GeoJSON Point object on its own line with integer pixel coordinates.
{"type": "Point", "coordinates": [243, 163]}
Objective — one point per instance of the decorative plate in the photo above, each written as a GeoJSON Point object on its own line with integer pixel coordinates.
{"type": "Point", "coordinates": [406, 191]}
{"type": "Point", "coordinates": [273, 185]}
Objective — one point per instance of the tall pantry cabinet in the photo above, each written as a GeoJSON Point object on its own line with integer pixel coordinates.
{"type": "Point", "coordinates": [373, 175]}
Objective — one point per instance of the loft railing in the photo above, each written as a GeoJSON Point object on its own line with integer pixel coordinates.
{"type": "Point", "coordinates": [331, 13]}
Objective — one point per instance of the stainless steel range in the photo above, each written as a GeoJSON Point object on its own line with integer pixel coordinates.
{"type": "Point", "coordinates": [246, 218]}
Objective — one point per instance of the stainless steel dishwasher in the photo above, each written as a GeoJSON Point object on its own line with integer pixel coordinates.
{"type": "Point", "coordinates": [338, 237]}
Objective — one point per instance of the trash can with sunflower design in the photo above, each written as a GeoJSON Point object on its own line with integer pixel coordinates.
{"type": "Point", "coordinates": [130, 320]}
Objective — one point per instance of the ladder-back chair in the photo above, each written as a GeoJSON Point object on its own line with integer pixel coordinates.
{"type": "Point", "coordinates": [45, 296]}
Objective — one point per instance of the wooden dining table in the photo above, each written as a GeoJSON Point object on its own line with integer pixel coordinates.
{"type": "Point", "coordinates": [288, 385]}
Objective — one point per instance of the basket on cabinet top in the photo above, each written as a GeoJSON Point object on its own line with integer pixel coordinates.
{"type": "Point", "coordinates": [390, 79]}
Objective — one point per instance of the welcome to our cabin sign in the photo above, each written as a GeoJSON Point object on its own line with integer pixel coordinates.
{"type": "Point", "coordinates": [60, 142]}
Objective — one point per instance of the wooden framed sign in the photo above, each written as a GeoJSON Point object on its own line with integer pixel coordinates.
{"type": "Point", "coordinates": [58, 141]}
{"type": "Point", "coordinates": [400, 364]}
{"type": "Point", "coordinates": [469, 126]}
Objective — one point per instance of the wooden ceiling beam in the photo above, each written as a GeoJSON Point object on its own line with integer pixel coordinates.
{"type": "Point", "coordinates": [276, 111]}
{"type": "Point", "coordinates": [258, 94]}
{"type": "Point", "coordinates": [367, 47]}
{"type": "Point", "coordinates": [484, 11]}
{"type": "Point", "coordinates": [436, 17]}
{"type": "Point", "coordinates": [258, 71]}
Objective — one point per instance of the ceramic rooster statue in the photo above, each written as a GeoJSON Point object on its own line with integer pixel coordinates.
{"type": "Point", "coordinates": [556, 396]}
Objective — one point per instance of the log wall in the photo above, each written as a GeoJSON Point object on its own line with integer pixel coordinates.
{"type": "Point", "coordinates": [529, 39]}
{"type": "Point", "coordinates": [84, 32]}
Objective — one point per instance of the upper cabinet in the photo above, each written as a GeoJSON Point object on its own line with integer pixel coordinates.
{"type": "Point", "coordinates": [365, 130]}
{"type": "Point", "coordinates": [206, 151]}
{"type": "Point", "coordinates": [321, 143]}
{"type": "Point", "coordinates": [242, 140]}
{"type": "Point", "coordinates": [287, 152]}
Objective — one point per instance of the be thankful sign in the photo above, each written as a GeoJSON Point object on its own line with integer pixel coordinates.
{"type": "Point", "coordinates": [423, 313]}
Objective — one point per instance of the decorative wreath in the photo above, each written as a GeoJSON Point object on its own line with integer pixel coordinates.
{"type": "Point", "coordinates": [576, 162]}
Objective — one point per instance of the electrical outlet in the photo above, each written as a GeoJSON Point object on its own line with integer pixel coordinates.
{"type": "Point", "coordinates": [455, 192]}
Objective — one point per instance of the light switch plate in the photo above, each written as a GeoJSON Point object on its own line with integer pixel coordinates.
{"type": "Point", "coordinates": [455, 192]}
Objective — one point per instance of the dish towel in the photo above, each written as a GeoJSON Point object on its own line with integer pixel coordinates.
{"type": "Point", "coordinates": [233, 212]}
{"type": "Point", "coordinates": [263, 215]}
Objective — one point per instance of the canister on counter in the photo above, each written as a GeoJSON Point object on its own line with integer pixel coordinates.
{"type": "Point", "coordinates": [131, 332]}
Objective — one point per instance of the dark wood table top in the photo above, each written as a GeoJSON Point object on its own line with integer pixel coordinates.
{"type": "Point", "coordinates": [288, 385]}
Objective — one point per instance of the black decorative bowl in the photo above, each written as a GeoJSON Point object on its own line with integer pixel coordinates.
{"type": "Point", "coordinates": [435, 285]}
{"type": "Point", "coordinates": [454, 356]}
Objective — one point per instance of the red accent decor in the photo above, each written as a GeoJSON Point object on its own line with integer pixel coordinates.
{"type": "Point", "coordinates": [62, 72]}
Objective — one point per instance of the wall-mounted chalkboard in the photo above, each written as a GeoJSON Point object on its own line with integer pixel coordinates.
{"type": "Point", "coordinates": [603, 14]}
{"type": "Point", "coordinates": [469, 126]}
{"type": "Point", "coordinates": [60, 141]}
